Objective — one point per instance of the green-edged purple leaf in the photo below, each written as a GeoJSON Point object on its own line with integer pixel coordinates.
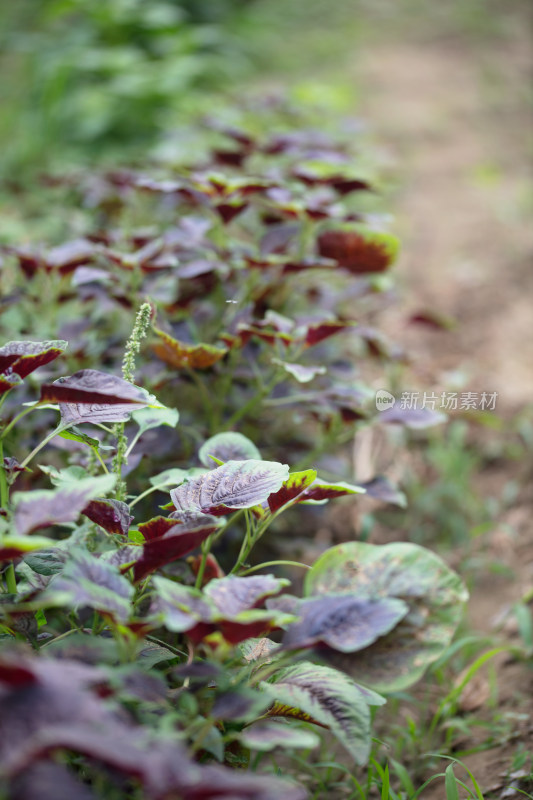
{"type": "Point", "coordinates": [180, 607]}
{"type": "Point", "coordinates": [147, 418]}
{"type": "Point", "coordinates": [231, 595]}
{"type": "Point", "coordinates": [156, 527]}
{"type": "Point", "coordinates": [266, 735]}
{"type": "Point", "coordinates": [8, 381]}
{"type": "Point", "coordinates": [381, 488]}
{"type": "Point", "coordinates": [25, 357]}
{"type": "Point", "coordinates": [343, 622]}
{"type": "Point", "coordinates": [93, 396]}
{"type": "Point", "coordinates": [434, 594]}
{"type": "Point", "coordinates": [292, 488]}
{"type": "Point", "coordinates": [415, 418]}
{"type": "Point", "coordinates": [236, 484]}
{"type": "Point", "coordinates": [41, 508]}
{"type": "Point", "coordinates": [185, 609]}
{"type": "Point", "coordinates": [14, 547]}
{"type": "Point", "coordinates": [322, 490]}
{"type": "Point", "coordinates": [90, 581]}
{"type": "Point", "coordinates": [329, 698]}
{"type": "Point", "coordinates": [177, 542]}
{"type": "Point", "coordinates": [183, 355]}
{"type": "Point", "coordinates": [302, 373]}
{"type": "Point", "coordinates": [359, 251]}
{"type": "Point", "coordinates": [227, 446]}
{"type": "Point", "coordinates": [112, 515]}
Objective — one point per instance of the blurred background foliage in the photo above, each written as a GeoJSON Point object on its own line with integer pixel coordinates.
{"type": "Point", "coordinates": [104, 80]}
{"type": "Point", "coordinates": [107, 74]}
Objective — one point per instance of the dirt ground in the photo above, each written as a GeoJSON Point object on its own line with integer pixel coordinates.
{"type": "Point", "coordinates": [456, 118]}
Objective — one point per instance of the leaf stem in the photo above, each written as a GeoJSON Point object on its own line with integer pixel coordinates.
{"type": "Point", "coordinates": [275, 564]}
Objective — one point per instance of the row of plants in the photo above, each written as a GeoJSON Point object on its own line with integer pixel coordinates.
{"type": "Point", "coordinates": [149, 642]}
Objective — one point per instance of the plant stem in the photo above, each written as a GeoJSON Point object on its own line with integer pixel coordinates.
{"type": "Point", "coordinates": [11, 580]}
{"type": "Point", "coordinates": [253, 401]}
{"type": "Point", "coordinates": [206, 548]}
{"type": "Point", "coordinates": [60, 428]}
{"type": "Point", "coordinates": [146, 493]}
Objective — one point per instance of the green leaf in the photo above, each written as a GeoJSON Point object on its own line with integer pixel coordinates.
{"type": "Point", "coordinates": [327, 697]}
{"type": "Point", "coordinates": [302, 373]}
{"type": "Point", "coordinates": [434, 594]}
{"type": "Point", "coordinates": [175, 476]}
{"type": "Point", "coordinates": [227, 446]}
{"type": "Point", "coordinates": [151, 654]}
{"type": "Point", "coordinates": [450, 784]}
{"type": "Point", "coordinates": [147, 418]}
{"type": "Point", "coordinates": [265, 736]}
{"type": "Point", "coordinates": [78, 436]}
{"type": "Point", "coordinates": [47, 562]}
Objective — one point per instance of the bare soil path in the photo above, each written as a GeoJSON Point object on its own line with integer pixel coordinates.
{"type": "Point", "coordinates": [457, 118]}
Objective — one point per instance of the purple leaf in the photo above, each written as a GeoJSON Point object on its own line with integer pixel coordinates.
{"type": "Point", "coordinates": [343, 622]}
{"type": "Point", "coordinates": [39, 509]}
{"type": "Point", "coordinates": [232, 595]}
{"type": "Point", "coordinates": [48, 780]}
{"type": "Point", "coordinates": [66, 257]}
{"type": "Point", "coordinates": [416, 418]}
{"type": "Point", "coordinates": [380, 488]}
{"type": "Point", "coordinates": [93, 582]}
{"type": "Point", "coordinates": [236, 484]}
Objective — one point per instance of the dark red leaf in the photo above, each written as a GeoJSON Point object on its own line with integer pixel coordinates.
{"type": "Point", "coordinates": [157, 527]}
{"type": "Point", "coordinates": [291, 488]}
{"type": "Point", "coordinates": [322, 330]}
{"type": "Point", "coordinates": [8, 381]}
{"type": "Point", "coordinates": [228, 211]}
{"type": "Point", "coordinates": [25, 357]}
{"type": "Point", "coordinates": [90, 386]}
{"type": "Point", "coordinates": [354, 251]}
{"type": "Point", "coordinates": [112, 515]}
{"type": "Point", "coordinates": [177, 542]}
